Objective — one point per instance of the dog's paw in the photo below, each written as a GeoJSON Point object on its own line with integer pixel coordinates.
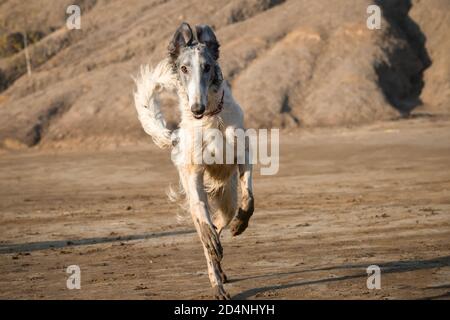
{"type": "Point", "coordinates": [240, 221]}
{"type": "Point", "coordinates": [237, 226]}
{"type": "Point", "coordinates": [220, 293]}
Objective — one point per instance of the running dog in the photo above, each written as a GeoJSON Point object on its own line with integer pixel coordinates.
{"type": "Point", "coordinates": [192, 71]}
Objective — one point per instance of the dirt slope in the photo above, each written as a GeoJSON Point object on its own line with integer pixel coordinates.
{"type": "Point", "coordinates": [434, 18]}
{"type": "Point", "coordinates": [290, 64]}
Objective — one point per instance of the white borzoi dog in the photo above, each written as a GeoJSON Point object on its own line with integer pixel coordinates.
{"type": "Point", "coordinates": [206, 102]}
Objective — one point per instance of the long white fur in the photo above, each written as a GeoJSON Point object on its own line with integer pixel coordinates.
{"type": "Point", "coordinates": [149, 83]}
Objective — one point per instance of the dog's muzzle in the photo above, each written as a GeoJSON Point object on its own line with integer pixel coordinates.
{"type": "Point", "coordinates": [198, 110]}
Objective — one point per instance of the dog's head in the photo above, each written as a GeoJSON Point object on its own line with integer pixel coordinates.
{"type": "Point", "coordinates": [194, 55]}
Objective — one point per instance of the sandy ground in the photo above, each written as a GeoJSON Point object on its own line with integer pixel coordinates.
{"type": "Point", "coordinates": [342, 200]}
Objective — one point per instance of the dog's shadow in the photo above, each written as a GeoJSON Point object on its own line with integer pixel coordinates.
{"type": "Point", "coordinates": [58, 244]}
{"type": "Point", "coordinates": [386, 267]}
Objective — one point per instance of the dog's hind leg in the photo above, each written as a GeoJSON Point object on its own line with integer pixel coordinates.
{"type": "Point", "coordinates": [226, 202]}
{"type": "Point", "coordinates": [240, 221]}
{"type": "Point", "coordinates": [198, 203]}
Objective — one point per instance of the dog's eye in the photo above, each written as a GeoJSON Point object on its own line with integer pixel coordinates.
{"type": "Point", "coordinates": [207, 67]}
{"type": "Point", "coordinates": [184, 69]}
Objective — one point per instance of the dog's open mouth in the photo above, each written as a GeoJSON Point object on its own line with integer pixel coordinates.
{"type": "Point", "coordinates": [198, 117]}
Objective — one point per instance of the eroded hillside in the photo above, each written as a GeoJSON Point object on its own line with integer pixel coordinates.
{"type": "Point", "coordinates": [290, 63]}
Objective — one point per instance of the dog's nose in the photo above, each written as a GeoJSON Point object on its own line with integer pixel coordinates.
{"type": "Point", "coordinates": [198, 109]}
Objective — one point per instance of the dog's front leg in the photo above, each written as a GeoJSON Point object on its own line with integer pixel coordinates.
{"type": "Point", "coordinates": [209, 237]}
{"type": "Point", "coordinates": [240, 221]}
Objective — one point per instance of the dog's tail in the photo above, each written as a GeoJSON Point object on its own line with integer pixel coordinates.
{"type": "Point", "coordinates": [149, 83]}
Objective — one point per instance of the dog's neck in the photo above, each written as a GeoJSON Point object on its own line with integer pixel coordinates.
{"type": "Point", "coordinates": [218, 108]}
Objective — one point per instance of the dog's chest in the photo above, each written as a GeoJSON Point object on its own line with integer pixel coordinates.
{"type": "Point", "coordinates": [219, 156]}
{"type": "Point", "coordinates": [211, 146]}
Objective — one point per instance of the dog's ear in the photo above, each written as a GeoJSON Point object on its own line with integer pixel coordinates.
{"type": "Point", "coordinates": [218, 77]}
{"type": "Point", "coordinates": [205, 34]}
{"type": "Point", "coordinates": [182, 37]}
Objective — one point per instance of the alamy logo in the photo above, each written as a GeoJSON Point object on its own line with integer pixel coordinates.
{"type": "Point", "coordinates": [374, 20]}
{"type": "Point", "coordinates": [74, 280]}
{"type": "Point", "coordinates": [234, 146]}
{"type": "Point", "coordinates": [374, 277]}
{"type": "Point", "coordinates": [74, 20]}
